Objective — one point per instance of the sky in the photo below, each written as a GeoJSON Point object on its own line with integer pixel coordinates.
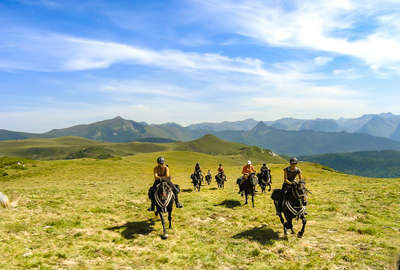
{"type": "Point", "coordinates": [71, 62]}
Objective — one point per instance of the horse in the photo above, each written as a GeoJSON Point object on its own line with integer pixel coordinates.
{"type": "Point", "coordinates": [249, 187]}
{"type": "Point", "coordinates": [164, 201]}
{"type": "Point", "coordinates": [220, 178]}
{"type": "Point", "coordinates": [208, 179]}
{"type": "Point", "coordinates": [264, 180]}
{"type": "Point", "coordinates": [294, 206]}
{"type": "Point", "coordinates": [196, 180]}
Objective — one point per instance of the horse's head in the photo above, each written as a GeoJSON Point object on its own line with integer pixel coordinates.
{"type": "Point", "coordinates": [163, 191]}
{"type": "Point", "coordinates": [300, 191]}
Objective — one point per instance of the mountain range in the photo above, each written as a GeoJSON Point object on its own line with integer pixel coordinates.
{"type": "Point", "coordinates": [385, 125]}
{"type": "Point", "coordinates": [297, 141]}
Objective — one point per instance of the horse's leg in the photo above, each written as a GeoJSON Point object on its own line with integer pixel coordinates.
{"type": "Point", "coordinates": [289, 224]}
{"type": "Point", "coordinates": [164, 235]}
{"type": "Point", "coordinates": [245, 194]}
{"type": "Point", "coordinates": [170, 217]}
{"type": "Point", "coordinates": [300, 233]}
{"type": "Point", "coordinates": [269, 187]}
{"type": "Point", "coordinates": [283, 224]}
{"type": "Point", "coordinates": [252, 197]}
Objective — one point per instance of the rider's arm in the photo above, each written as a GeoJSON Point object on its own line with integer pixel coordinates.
{"type": "Point", "coordinates": [167, 172]}
{"type": "Point", "coordinates": [300, 175]}
{"type": "Point", "coordinates": [156, 177]}
{"type": "Point", "coordinates": [285, 180]}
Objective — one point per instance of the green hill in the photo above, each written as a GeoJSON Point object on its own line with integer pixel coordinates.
{"type": "Point", "coordinates": [76, 147]}
{"type": "Point", "coordinates": [366, 163]}
{"type": "Point", "coordinates": [91, 214]}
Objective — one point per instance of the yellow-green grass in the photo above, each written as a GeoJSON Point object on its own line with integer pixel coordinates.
{"type": "Point", "coordinates": [91, 214]}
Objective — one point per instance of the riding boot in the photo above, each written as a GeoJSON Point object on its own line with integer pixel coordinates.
{"type": "Point", "coordinates": [177, 203]}
{"type": "Point", "coordinates": [151, 208]}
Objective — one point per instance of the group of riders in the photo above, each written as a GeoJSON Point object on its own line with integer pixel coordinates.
{"type": "Point", "coordinates": [161, 173]}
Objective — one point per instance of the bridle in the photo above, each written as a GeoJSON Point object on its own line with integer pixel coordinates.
{"type": "Point", "coordinates": [166, 195]}
{"type": "Point", "coordinates": [300, 197]}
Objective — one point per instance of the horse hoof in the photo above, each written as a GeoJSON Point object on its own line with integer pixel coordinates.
{"type": "Point", "coordinates": [292, 232]}
{"type": "Point", "coordinates": [164, 236]}
{"type": "Point", "coordinates": [299, 235]}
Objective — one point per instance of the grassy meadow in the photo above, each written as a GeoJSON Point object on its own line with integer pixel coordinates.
{"type": "Point", "coordinates": [91, 214]}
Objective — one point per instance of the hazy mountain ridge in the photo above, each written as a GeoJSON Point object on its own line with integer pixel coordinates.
{"type": "Point", "coordinates": [380, 125]}
{"type": "Point", "coordinates": [308, 142]}
{"type": "Point", "coordinates": [226, 125]}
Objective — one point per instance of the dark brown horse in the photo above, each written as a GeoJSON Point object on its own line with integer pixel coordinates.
{"type": "Point", "coordinates": [264, 180]}
{"type": "Point", "coordinates": [293, 206]}
{"type": "Point", "coordinates": [208, 179]}
{"type": "Point", "coordinates": [220, 178]}
{"type": "Point", "coordinates": [249, 187]}
{"type": "Point", "coordinates": [196, 181]}
{"type": "Point", "coordinates": [164, 202]}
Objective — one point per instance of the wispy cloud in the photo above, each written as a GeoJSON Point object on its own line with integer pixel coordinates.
{"type": "Point", "coordinates": [328, 26]}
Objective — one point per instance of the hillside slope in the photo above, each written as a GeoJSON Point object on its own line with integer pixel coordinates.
{"type": "Point", "coordinates": [76, 147]}
{"type": "Point", "coordinates": [366, 163]}
{"type": "Point", "coordinates": [88, 214]}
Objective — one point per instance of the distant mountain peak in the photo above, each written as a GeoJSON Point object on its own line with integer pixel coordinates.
{"type": "Point", "coordinates": [261, 126]}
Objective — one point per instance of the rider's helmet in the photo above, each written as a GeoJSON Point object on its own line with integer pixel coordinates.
{"type": "Point", "coordinates": [220, 164]}
{"type": "Point", "coordinates": [197, 164]}
{"type": "Point", "coordinates": [264, 164]}
{"type": "Point", "coordinates": [293, 160]}
{"type": "Point", "coordinates": [160, 160]}
{"type": "Point", "coordinates": [249, 162]}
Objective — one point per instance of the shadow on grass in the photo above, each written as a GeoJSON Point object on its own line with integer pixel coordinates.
{"type": "Point", "coordinates": [188, 190]}
{"type": "Point", "coordinates": [262, 235]}
{"type": "Point", "coordinates": [130, 230]}
{"type": "Point", "coordinates": [229, 203]}
{"type": "Point", "coordinates": [213, 188]}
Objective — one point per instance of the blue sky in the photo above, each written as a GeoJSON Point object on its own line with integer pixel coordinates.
{"type": "Point", "coordinates": [71, 62]}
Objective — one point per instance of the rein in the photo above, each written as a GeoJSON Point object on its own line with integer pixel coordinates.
{"type": "Point", "coordinates": [164, 205]}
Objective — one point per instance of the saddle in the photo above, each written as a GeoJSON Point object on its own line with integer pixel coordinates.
{"type": "Point", "coordinates": [277, 195]}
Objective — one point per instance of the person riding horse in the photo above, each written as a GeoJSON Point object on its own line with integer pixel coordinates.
{"type": "Point", "coordinates": [197, 171]}
{"type": "Point", "coordinates": [289, 179]}
{"type": "Point", "coordinates": [246, 171]}
{"type": "Point", "coordinates": [161, 173]}
{"type": "Point", "coordinates": [221, 171]}
{"type": "Point", "coordinates": [265, 169]}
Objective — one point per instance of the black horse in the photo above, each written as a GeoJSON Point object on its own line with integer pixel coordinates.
{"type": "Point", "coordinates": [264, 180]}
{"type": "Point", "coordinates": [220, 178]}
{"type": "Point", "coordinates": [208, 179]}
{"type": "Point", "coordinates": [294, 206]}
{"type": "Point", "coordinates": [164, 202]}
{"type": "Point", "coordinates": [249, 186]}
{"type": "Point", "coordinates": [196, 180]}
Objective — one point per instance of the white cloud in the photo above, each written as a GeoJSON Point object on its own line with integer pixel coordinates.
{"type": "Point", "coordinates": [147, 88]}
{"type": "Point", "coordinates": [315, 24]}
{"type": "Point", "coordinates": [322, 60]}
{"type": "Point", "coordinates": [54, 52]}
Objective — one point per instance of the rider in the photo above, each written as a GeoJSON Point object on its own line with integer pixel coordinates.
{"type": "Point", "coordinates": [161, 173]}
{"type": "Point", "coordinates": [197, 169]}
{"type": "Point", "coordinates": [246, 171]}
{"type": "Point", "coordinates": [220, 169]}
{"type": "Point", "coordinates": [265, 168]}
{"type": "Point", "coordinates": [289, 179]}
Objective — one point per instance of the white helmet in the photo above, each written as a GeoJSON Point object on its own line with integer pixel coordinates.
{"type": "Point", "coordinates": [249, 162]}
